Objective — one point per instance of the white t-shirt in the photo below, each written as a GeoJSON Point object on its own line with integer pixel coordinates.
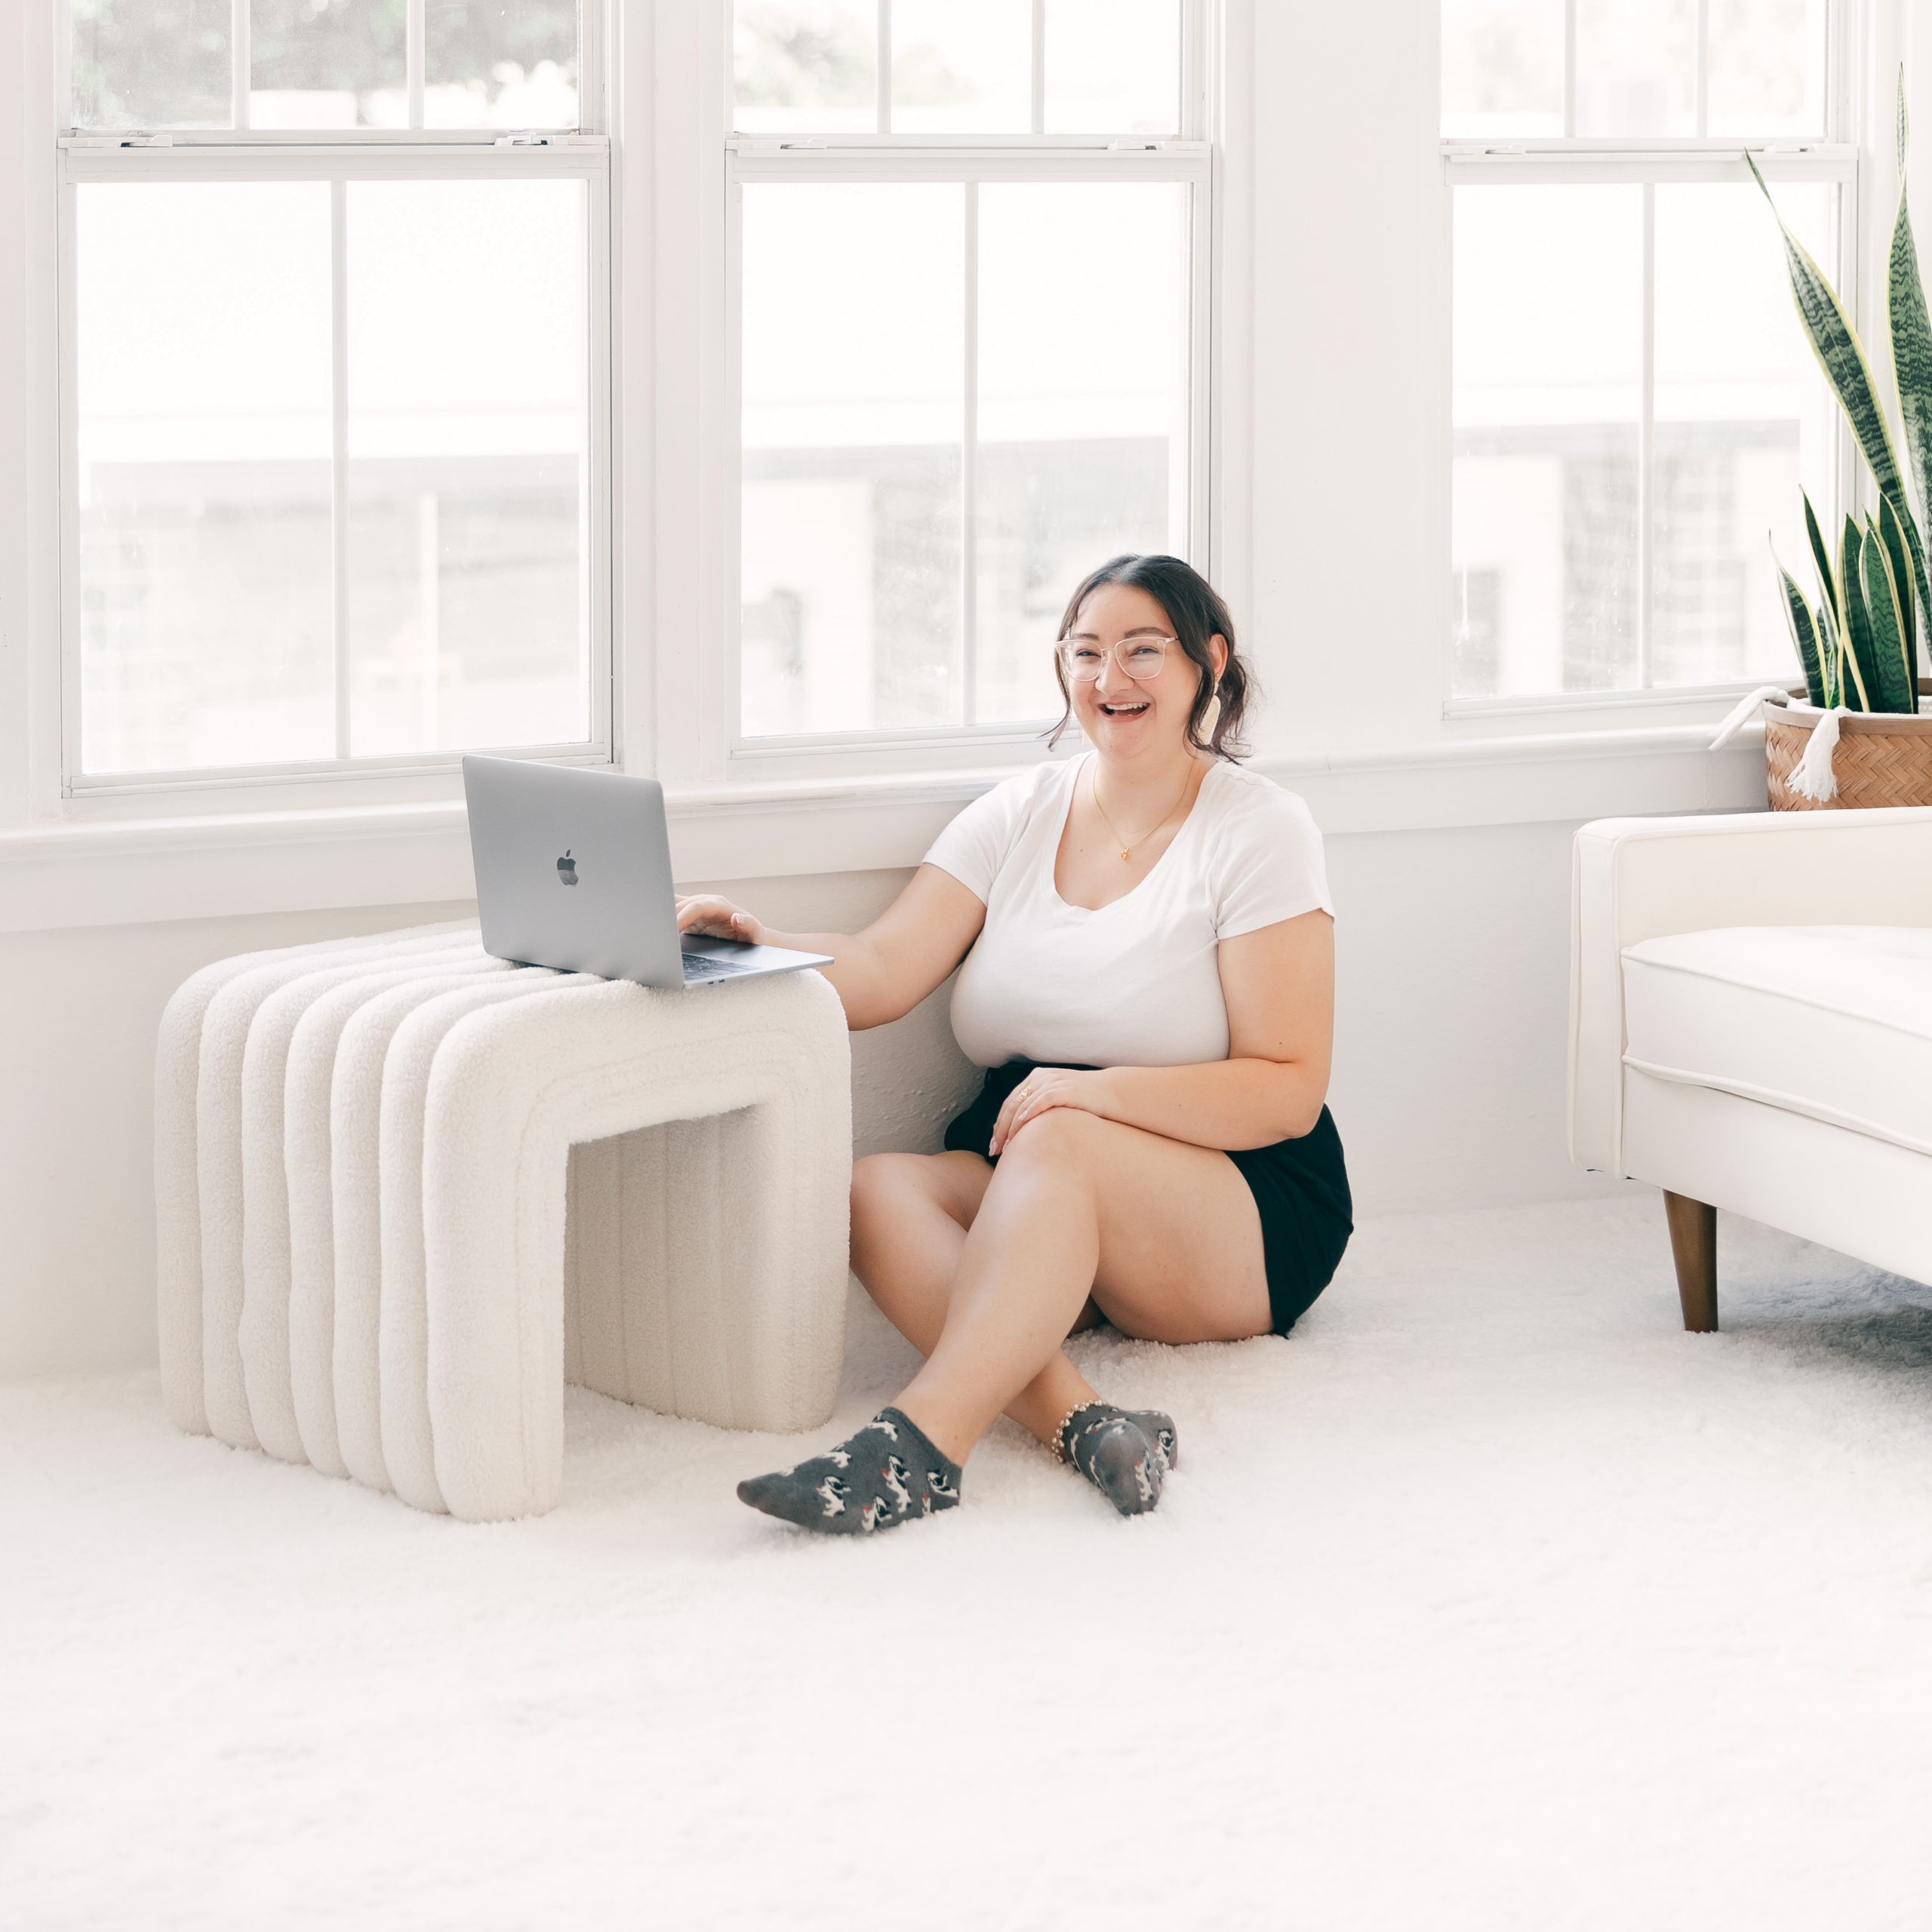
{"type": "Point", "coordinates": [1136, 983]}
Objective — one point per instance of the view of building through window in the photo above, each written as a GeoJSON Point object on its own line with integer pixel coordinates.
{"type": "Point", "coordinates": [206, 484]}
{"type": "Point", "coordinates": [1627, 464]}
{"type": "Point", "coordinates": [859, 462]}
{"type": "Point", "coordinates": [332, 438]}
{"type": "Point", "coordinates": [958, 396]}
{"type": "Point", "coordinates": [325, 63]}
{"type": "Point", "coordinates": [1106, 66]}
{"type": "Point", "coordinates": [1635, 69]}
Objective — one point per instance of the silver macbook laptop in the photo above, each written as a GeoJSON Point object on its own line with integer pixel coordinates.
{"type": "Point", "coordinates": [574, 871]}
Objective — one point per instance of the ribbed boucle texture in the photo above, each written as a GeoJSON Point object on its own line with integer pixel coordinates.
{"type": "Point", "coordinates": [403, 1188]}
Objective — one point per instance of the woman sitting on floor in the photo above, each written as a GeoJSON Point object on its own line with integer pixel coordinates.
{"type": "Point", "coordinates": [1149, 974]}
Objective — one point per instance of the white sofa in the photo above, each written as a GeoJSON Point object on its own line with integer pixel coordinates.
{"type": "Point", "coordinates": [1751, 1028]}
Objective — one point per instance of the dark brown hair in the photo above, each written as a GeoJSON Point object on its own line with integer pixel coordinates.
{"type": "Point", "coordinates": [1195, 609]}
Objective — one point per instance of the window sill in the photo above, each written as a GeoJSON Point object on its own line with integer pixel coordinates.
{"type": "Point", "coordinates": [135, 871]}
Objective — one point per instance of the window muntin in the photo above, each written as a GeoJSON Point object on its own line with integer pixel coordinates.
{"type": "Point", "coordinates": [337, 444]}
{"type": "Point", "coordinates": [1634, 407]}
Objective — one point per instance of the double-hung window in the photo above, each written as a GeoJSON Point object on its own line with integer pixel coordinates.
{"type": "Point", "coordinates": [334, 386]}
{"type": "Point", "coordinates": [1635, 409]}
{"type": "Point", "coordinates": [971, 249]}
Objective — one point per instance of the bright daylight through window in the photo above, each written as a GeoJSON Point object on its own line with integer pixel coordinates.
{"type": "Point", "coordinates": [330, 386]}
{"type": "Point", "coordinates": [969, 294]}
{"type": "Point", "coordinates": [1635, 406]}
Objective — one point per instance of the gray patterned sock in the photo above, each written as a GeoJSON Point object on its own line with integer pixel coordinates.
{"type": "Point", "coordinates": [1125, 1454]}
{"type": "Point", "coordinates": [875, 1480]}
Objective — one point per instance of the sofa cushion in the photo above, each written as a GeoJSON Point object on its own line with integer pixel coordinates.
{"type": "Point", "coordinates": [1834, 1022]}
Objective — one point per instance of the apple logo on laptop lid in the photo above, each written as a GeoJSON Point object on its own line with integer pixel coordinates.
{"type": "Point", "coordinates": [566, 870]}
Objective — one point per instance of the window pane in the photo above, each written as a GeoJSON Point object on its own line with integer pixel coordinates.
{"type": "Point", "coordinates": [1742, 418]}
{"type": "Point", "coordinates": [467, 444]}
{"type": "Point", "coordinates": [1113, 67]}
{"type": "Point", "coordinates": [1083, 410]}
{"type": "Point", "coordinates": [1502, 67]}
{"type": "Point", "coordinates": [205, 621]}
{"type": "Point", "coordinates": [1767, 66]}
{"type": "Point", "coordinates": [1548, 368]}
{"type": "Point", "coordinates": [340, 64]}
{"type": "Point", "coordinates": [500, 63]}
{"type": "Point", "coordinates": [151, 63]}
{"type": "Point", "coordinates": [853, 303]}
{"type": "Point", "coordinates": [805, 64]}
{"type": "Point", "coordinates": [962, 68]}
{"type": "Point", "coordinates": [1636, 66]}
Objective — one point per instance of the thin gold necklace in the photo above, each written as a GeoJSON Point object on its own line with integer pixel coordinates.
{"type": "Point", "coordinates": [1126, 851]}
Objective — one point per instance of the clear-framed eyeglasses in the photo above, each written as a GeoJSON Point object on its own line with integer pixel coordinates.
{"type": "Point", "coordinates": [1140, 657]}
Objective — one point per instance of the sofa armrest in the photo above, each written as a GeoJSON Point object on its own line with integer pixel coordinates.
{"type": "Point", "coordinates": [1636, 878]}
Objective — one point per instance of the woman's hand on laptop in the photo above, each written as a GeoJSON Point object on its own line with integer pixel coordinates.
{"type": "Point", "coordinates": [718, 919]}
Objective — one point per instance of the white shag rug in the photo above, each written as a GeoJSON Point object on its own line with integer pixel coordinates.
{"type": "Point", "coordinates": [1490, 1599]}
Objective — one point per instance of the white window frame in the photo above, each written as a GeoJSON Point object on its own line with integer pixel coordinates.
{"type": "Point", "coordinates": [1471, 161]}
{"type": "Point", "coordinates": [1190, 159]}
{"type": "Point", "coordinates": [339, 157]}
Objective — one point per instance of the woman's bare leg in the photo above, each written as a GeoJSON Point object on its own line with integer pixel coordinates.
{"type": "Point", "coordinates": [910, 1215]}
{"type": "Point", "coordinates": [1164, 1236]}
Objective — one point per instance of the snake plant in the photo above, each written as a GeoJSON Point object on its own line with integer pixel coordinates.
{"type": "Point", "coordinates": [1858, 644]}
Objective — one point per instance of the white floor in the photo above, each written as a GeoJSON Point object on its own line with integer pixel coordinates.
{"type": "Point", "coordinates": [1490, 1599]}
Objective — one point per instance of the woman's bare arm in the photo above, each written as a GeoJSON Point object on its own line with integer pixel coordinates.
{"type": "Point", "coordinates": [1279, 984]}
{"type": "Point", "coordinates": [883, 971]}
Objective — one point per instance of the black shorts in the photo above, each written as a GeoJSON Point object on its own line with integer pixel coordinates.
{"type": "Point", "coordinates": [1300, 1188]}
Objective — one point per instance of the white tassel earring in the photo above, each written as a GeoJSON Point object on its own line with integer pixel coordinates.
{"type": "Point", "coordinates": [1212, 716]}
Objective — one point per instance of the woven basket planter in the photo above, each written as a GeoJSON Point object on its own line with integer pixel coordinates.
{"type": "Point", "coordinates": [1882, 759]}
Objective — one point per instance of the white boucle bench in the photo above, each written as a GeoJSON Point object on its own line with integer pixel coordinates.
{"type": "Point", "coordinates": [404, 1192]}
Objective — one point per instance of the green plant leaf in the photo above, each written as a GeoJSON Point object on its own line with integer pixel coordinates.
{"type": "Point", "coordinates": [1855, 626]}
{"type": "Point", "coordinates": [1887, 613]}
{"type": "Point", "coordinates": [1911, 367]}
{"type": "Point", "coordinates": [1895, 529]}
{"type": "Point", "coordinates": [1832, 647]}
{"type": "Point", "coordinates": [1840, 353]}
{"type": "Point", "coordinates": [1804, 635]}
{"type": "Point", "coordinates": [1820, 555]}
{"type": "Point", "coordinates": [1831, 656]}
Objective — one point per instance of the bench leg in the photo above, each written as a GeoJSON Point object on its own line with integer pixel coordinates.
{"type": "Point", "coordinates": [1693, 1245]}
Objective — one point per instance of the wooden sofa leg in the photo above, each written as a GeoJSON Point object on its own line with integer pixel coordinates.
{"type": "Point", "coordinates": [1693, 1245]}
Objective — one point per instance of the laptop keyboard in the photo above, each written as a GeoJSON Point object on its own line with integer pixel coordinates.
{"type": "Point", "coordinates": [697, 966]}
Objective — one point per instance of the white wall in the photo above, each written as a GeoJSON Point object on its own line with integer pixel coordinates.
{"type": "Point", "coordinates": [1452, 1017]}
{"type": "Point", "coordinates": [78, 1011]}
{"type": "Point", "coordinates": [1453, 947]}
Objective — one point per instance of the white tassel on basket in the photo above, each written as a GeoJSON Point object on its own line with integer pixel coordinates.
{"type": "Point", "coordinates": [1814, 778]}
{"type": "Point", "coordinates": [1747, 710]}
